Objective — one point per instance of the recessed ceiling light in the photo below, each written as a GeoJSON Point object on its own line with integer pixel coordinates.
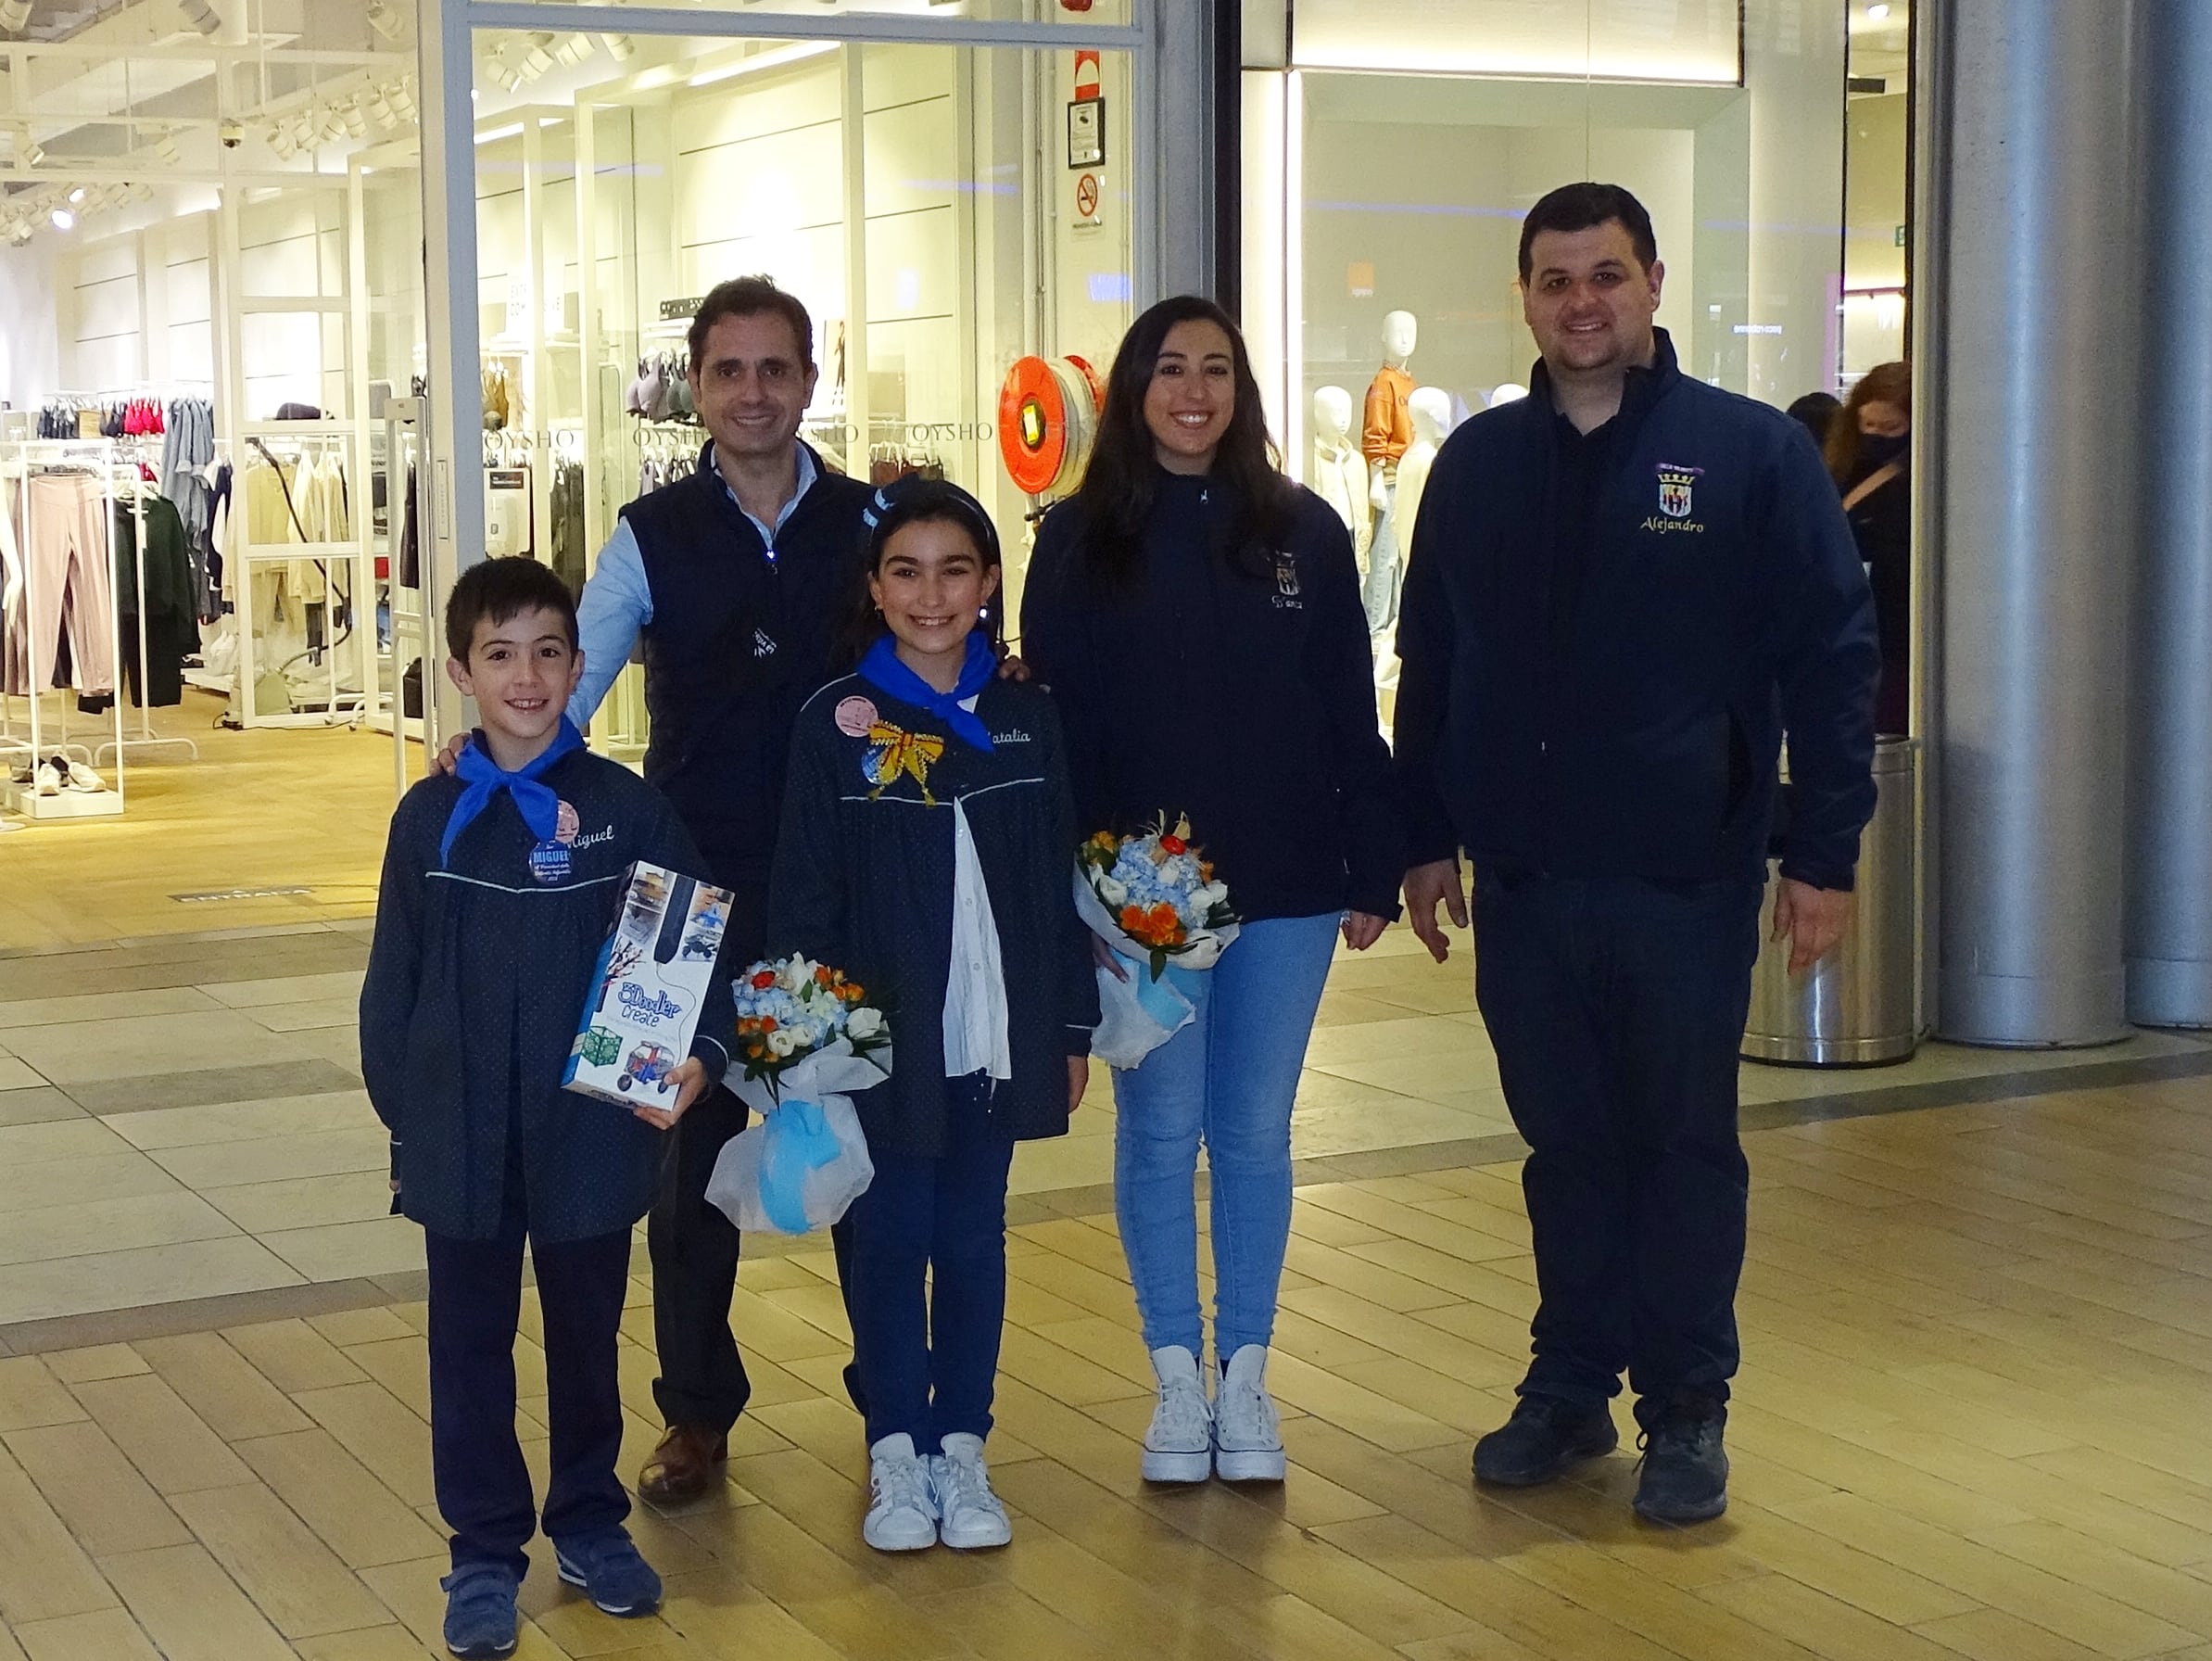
{"type": "Point", "coordinates": [1877, 11]}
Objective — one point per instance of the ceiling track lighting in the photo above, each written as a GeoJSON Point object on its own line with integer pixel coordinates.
{"type": "Point", "coordinates": [166, 148]}
{"type": "Point", "coordinates": [386, 18]}
{"type": "Point", "coordinates": [403, 102]}
{"type": "Point", "coordinates": [357, 123]}
{"type": "Point", "coordinates": [618, 48]}
{"type": "Point", "coordinates": [14, 15]}
{"type": "Point", "coordinates": [201, 16]}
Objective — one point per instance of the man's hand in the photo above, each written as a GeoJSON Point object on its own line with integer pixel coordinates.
{"type": "Point", "coordinates": [1362, 928]}
{"type": "Point", "coordinates": [1812, 919]}
{"type": "Point", "coordinates": [449, 758]}
{"type": "Point", "coordinates": [1426, 886]}
{"type": "Point", "coordinates": [1106, 958]}
{"type": "Point", "coordinates": [1079, 1078]}
{"type": "Point", "coordinates": [1011, 668]}
{"type": "Point", "coordinates": [690, 1081]}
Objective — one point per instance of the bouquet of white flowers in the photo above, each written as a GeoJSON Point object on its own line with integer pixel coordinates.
{"type": "Point", "coordinates": [1155, 901]}
{"type": "Point", "coordinates": [806, 1041]}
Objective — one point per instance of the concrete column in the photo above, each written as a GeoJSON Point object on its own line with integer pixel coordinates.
{"type": "Point", "coordinates": [2170, 786]}
{"type": "Point", "coordinates": [2033, 414]}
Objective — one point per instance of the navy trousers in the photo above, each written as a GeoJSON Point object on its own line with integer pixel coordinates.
{"type": "Point", "coordinates": [1616, 1007]}
{"type": "Point", "coordinates": [476, 1297]}
{"type": "Point", "coordinates": [927, 1360]}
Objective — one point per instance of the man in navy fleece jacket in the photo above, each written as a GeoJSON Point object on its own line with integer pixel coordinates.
{"type": "Point", "coordinates": [1624, 590]}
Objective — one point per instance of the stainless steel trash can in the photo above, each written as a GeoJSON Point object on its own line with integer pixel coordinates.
{"type": "Point", "coordinates": [1857, 1007]}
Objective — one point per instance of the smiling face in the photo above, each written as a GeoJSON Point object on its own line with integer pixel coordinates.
{"type": "Point", "coordinates": [1589, 302]}
{"type": "Point", "coordinates": [931, 585]}
{"type": "Point", "coordinates": [752, 386]}
{"type": "Point", "coordinates": [1191, 396]}
{"type": "Point", "coordinates": [521, 673]}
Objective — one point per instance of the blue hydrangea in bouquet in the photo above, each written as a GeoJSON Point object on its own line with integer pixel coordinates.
{"type": "Point", "coordinates": [1155, 902]}
{"type": "Point", "coordinates": [808, 1041]}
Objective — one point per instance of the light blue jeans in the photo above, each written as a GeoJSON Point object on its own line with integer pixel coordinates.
{"type": "Point", "coordinates": [1229, 1080]}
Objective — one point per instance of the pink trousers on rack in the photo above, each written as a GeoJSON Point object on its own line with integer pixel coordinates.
{"type": "Point", "coordinates": [71, 586]}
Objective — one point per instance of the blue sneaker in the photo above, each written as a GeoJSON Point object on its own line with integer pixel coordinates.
{"type": "Point", "coordinates": [480, 1617]}
{"type": "Point", "coordinates": [607, 1566]}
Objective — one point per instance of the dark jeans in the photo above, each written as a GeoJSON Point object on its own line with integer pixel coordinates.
{"type": "Point", "coordinates": [694, 1246]}
{"type": "Point", "coordinates": [476, 1294]}
{"type": "Point", "coordinates": [1616, 1007]}
{"type": "Point", "coordinates": [928, 1367]}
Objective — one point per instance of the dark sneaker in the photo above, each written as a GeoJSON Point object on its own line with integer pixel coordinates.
{"type": "Point", "coordinates": [480, 1617]}
{"type": "Point", "coordinates": [612, 1574]}
{"type": "Point", "coordinates": [1542, 1439]}
{"type": "Point", "coordinates": [1686, 1469]}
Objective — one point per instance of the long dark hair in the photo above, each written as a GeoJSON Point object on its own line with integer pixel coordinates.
{"type": "Point", "coordinates": [1118, 486]}
{"type": "Point", "coordinates": [917, 501]}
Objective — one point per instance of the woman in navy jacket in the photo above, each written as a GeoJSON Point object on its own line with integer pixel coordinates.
{"type": "Point", "coordinates": [1198, 619]}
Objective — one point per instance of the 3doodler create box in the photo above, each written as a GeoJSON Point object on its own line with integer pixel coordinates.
{"type": "Point", "coordinates": [644, 1004]}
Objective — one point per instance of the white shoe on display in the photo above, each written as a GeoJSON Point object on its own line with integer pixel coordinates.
{"type": "Point", "coordinates": [902, 1515]}
{"type": "Point", "coordinates": [1248, 1432]}
{"type": "Point", "coordinates": [1179, 1444]}
{"type": "Point", "coordinates": [78, 776]}
{"type": "Point", "coordinates": [49, 781]}
{"type": "Point", "coordinates": [973, 1517]}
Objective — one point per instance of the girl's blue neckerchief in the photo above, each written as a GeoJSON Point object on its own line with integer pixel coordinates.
{"type": "Point", "coordinates": [881, 668]}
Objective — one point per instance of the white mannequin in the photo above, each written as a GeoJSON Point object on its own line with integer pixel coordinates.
{"type": "Point", "coordinates": [1339, 472]}
{"type": "Point", "coordinates": [1506, 392]}
{"type": "Point", "coordinates": [1401, 332]}
{"type": "Point", "coordinates": [1431, 410]}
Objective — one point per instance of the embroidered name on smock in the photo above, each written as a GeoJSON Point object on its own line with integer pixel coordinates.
{"type": "Point", "coordinates": [1012, 735]}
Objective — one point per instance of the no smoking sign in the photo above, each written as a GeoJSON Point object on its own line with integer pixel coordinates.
{"type": "Point", "coordinates": [1086, 199]}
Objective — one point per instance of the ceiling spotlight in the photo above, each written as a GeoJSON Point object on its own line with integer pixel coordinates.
{"type": "Point", "coordinates": [1877, 11]}
{"type": "Point", "coordinates": [201, 16]}
{"type": "Point", "coordinates": [379, 111]}
{"type": "Point", "coordinates": [573, 49]}
{"type": "Point", "coordinates": [166, 148]}
{"type": "Point", "coordinates": [63, 219]}
{"type": "Point", "coordinates": [140, 191]}
{"type": "Point", "coordinates": [333, 127]}
{"type": "Point", "coordinates": [536, 59]}
{"type": "Point", "coordinates": [618, 46]}
{"type": "Point", "coordinates": [283, 143]}
{"type": "Point", "coordinates": [386, 18]}
{"type": "Point", "coordinates": [403, 101]}
{"type": "Point", "coordinates": [76, 194]}
{"type": "Point", "coordinates": [20, 234]}
{"type": "Point", "coordinates": [14, 15]}
{"type": "Point", "coordinates": [357, 125]}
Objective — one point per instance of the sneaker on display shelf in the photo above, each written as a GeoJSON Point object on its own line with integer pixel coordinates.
{"type": "Point", "coordinates": [49, 781]}
{"type": "Point", "coordinates": [78, 776]}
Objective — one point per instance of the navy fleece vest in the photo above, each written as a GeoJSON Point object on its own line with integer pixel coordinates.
{"type": "Point", "coordinates": [741, 637]}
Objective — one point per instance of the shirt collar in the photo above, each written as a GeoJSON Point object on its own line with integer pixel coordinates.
{"type": "Point", "coordinates": [809, 471]}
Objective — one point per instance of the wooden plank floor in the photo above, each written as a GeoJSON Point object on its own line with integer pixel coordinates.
{"type": "Point", "coordinates": [1971, 1422]}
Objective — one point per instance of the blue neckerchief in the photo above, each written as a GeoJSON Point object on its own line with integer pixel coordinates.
{"type": "Point", "coordinates": [485, 778]}
{"type": "Point", "coordinates": [882, 668]}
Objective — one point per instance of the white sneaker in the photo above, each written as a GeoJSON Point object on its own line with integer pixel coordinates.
{"type": "Point", "coordinates": [1179, 1444]}
{"type": "Point", "coordinates": [973, 1518]}
{"type": "Point", "coordinates": [901, 1517]}
{"type": "Point", "coordinates": [81, 777]}
{"type": "Point", "coordinates": [1247, 1433]}
{"type": "Point", "coordinates": [49, 781]}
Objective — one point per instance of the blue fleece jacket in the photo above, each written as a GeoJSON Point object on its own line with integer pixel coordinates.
{"type": "Point", "coordinates": [1717, 603]}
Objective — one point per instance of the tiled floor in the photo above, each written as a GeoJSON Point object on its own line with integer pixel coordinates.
{"type": "Point", "coordinates": [182, 1119]}
{"type": "Point", "coordinates": [1977, 1317]}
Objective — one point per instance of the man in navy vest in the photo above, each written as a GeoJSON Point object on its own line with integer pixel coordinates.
{"type": "Point", "coordinates": [1624, 590]}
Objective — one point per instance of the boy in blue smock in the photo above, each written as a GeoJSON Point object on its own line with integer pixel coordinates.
{"type": "Point", "coordinates": [499, 887]}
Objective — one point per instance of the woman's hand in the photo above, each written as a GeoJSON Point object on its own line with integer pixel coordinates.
{"type": "Point", "coordinates": [1107, 959]}
{"type": "Point", "coordinates": [1362, 928]}
{"type": "Point", "coordinates": [1078, 1076]}
{"type": "Point", "coordinates": [690, 1081]}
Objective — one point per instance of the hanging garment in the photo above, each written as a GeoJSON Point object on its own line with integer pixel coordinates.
{"type": "Point", "coordinates": [69, 598]}
{"type": "Point", "coordinates": [567, 529]}
{"type": "Point", "coordinates": [165, 611]}
{"type": "Point", "coordinates": [506, 512]}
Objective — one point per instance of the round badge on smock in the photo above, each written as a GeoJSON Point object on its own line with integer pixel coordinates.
{"type": "Point", "coordinates": [548, 862]}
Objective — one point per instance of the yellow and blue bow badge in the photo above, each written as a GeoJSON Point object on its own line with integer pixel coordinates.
{"type": "Point", "coordinates": [896, 752]}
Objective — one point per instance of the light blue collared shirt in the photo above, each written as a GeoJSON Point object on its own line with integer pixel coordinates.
{"type": "Point", "coordinates": [617, 602]}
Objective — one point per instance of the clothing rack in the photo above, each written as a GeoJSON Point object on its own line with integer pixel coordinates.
{"type": "Point", "coordinates": [147, 739]}
{"type": "Point", "coordinates": [19, 461]}
{"type": "Point", "coordinates": [296, 441]}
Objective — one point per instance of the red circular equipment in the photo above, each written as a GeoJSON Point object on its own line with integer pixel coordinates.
{"type": "Point", "coordinates": [1048, 412]}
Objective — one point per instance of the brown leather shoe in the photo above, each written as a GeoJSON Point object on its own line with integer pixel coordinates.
{"type": "Point", "coordinates": [687, 1463]}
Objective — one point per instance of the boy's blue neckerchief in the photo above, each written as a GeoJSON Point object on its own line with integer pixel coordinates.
{"type": "Point", "coordinates": [882, 670]}
{"type": "Point", "coordinates": [485, 778]}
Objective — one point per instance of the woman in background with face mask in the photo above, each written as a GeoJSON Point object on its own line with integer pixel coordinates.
{"type": "Point", "coordinates": [1868, 452]}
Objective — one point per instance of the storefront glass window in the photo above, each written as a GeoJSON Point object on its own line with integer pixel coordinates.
{"type": "Point", "coordinates": [916, 197]}
{"type": "Point", "coordinates": [929, 12]}
{"type": "Point", "coordinates": [1877, 173]}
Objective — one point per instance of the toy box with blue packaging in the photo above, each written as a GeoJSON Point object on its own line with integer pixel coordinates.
{"type": "Point", "coordinates": [650, 986]}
